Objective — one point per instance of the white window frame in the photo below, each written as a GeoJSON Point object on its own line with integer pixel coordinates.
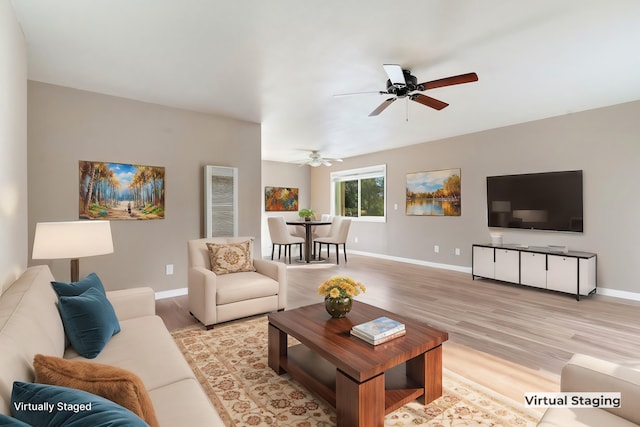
{"type": "Point", "coordinates": [358, 174]}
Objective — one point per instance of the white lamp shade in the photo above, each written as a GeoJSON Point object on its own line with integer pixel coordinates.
{"type": "Point", "coordinates": [72, 239]}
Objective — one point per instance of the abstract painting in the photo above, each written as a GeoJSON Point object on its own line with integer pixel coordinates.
{"type": "Point", "coordinates": [280, 199]}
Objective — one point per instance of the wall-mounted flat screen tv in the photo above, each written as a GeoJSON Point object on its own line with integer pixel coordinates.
{"type": "Point", "coordinates": [539, 201]}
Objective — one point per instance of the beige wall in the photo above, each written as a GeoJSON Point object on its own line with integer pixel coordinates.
{"type": "Point", "coordinates": [278, 174]}
{"type": "Point", "coordinates": [13, 147]}
{"type": "Point", "coordinates": [603, 143]}
{"type": "Point", "coordinates": [67, 125]}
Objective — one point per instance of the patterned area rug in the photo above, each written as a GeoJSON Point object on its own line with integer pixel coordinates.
{"type": "Point", "coordinates": [230, 361]}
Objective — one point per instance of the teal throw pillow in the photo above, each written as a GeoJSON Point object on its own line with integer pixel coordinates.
{"type": "Point", "coordinates": [76, 288]}
{"type": "Point", "coordinates": [6, 421]}
{"type": "Point", "coordinates": [49, 405]}
{"type": "Point", "coordinates": [89, 321]}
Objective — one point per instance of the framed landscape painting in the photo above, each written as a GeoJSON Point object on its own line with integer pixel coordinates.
{"type": "Point", "coordinates": [434, 193]}
{"type": "Point", "coordinates": [280, 199]}
{"type": "Point", "coordinates": [119, 191]}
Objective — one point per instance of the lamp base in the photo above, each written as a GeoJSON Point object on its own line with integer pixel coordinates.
{"type": "Point", "coordinates": [75, 269]}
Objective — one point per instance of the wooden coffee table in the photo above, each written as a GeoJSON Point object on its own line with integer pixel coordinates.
{"type": "Point", "coordinates": [361, 381]}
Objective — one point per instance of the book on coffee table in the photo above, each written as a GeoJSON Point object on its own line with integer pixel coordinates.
{"type": "Point", "coordinates": [379, 340]}
{"type": "Point", "coordinates": [377, 329]}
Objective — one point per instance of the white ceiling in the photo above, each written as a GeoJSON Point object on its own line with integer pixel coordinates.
{"type": "Point", "coordinates": [279, 62]}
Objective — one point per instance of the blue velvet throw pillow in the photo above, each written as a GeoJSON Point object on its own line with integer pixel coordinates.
{"type": "Point", "coordinates": [6, 421]}
{"type": "Point", "coordinates": [48, 405]}
{"type": "Point", "coordinates": [64, 289]}
{"type": "Point", "coordinates": [89, 321]}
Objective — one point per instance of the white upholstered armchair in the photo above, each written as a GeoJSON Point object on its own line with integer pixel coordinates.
{"type": "Point", "coordinates": [216, 298]}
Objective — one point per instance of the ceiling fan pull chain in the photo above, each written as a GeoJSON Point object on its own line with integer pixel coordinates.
{"type": "Point", "coordinates": [407, 109]}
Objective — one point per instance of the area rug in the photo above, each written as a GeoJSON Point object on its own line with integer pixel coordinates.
{"type": "Point", "coordinates": [230, 361]}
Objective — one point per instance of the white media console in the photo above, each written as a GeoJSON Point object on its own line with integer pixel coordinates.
{"type": "Point", "coordinates": [571, 272]}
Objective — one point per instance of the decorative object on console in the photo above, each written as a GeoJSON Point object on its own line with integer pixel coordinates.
{"type": "Point", "coordinates": [434, 193]}
{"type": "Point", "coordinates": [121, 191]}
{"type": "Point", "coordinates": [338, 293]}
{"type": "Point", "coordinates": [72, 239]}
{"type": "Point", "coordinates": [496, 239]}
{"type": "Point", "coordinates": [278, 199]}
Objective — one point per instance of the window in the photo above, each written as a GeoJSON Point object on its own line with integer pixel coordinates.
{"type": "Point", "coordinates": [360, 193]}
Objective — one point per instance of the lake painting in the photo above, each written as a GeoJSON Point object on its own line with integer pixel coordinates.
{"type": "Point", "coordinates": [433, 193]}
{"type": "Point", "coordinates": [118, 191]}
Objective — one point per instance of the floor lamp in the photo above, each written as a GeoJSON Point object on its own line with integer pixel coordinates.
{"type": "Point", "coordinates": [72, 239]}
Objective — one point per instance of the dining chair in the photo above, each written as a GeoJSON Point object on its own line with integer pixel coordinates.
{"type": "Point", "coordinates": [338, 232]}
{"type": "Point", "coordinates": [323, 231]}
{"type": "Point", "coordinates": [280, 236]}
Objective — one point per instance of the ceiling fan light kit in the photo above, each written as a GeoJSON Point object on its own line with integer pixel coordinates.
{"type": "Point", "coordinates": [316, 159]}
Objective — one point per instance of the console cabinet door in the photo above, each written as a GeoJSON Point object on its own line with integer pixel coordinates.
{"type": "Point", "coordinates": [587, 275]}
{"type": "Point", "coordinates": [483, 262]}
{"type": "Point", "coordinates": [562, 273]}
{"type": "Point", "coordinates": [533, 269]}
{"type": "Point", "coordinates": [507, 265]}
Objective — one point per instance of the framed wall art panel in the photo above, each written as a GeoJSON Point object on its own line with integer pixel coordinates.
{"type": "Point", "coordinates": [434, 193]}
{"type": "Point", "coordinates": [278, 199]}
{"type": "Point", "coordinates": [120, 191]}
{"type": "Point", "coordinates": [221, 201]}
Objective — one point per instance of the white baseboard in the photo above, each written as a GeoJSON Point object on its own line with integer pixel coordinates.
{"type": "Point", "coordinates": [414, 261]}
{"type": "Point", "coordinates": [634, 296]}
{"type": "Point", "coordinates": [171, 293]}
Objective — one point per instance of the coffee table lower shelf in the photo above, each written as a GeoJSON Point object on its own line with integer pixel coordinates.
{"type": "Point", "coordinates": [320, 377]}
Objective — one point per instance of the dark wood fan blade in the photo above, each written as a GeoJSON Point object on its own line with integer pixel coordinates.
{"type": "Point", "coordinates": [382, 106]}
{"type": "Point", "coordinates": [394, 71]}
{"type": "Point", "coordinates": [449, 81]}
{"type": "Point", "coordinates": [428, 101]}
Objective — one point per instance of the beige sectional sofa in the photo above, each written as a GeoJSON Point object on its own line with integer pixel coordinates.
{"type": "Point", "coordinates": [588, 374]}
{"type": "Point", "coordinates": [30, 324]}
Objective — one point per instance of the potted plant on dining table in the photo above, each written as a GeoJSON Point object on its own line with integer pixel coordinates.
{"type": "Point", "coordinates": [307, 214]}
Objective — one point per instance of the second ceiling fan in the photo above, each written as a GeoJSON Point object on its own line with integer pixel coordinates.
{"type": "Point", "coordinates": [402, 84]}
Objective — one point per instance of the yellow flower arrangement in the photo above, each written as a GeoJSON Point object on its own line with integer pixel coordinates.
{"type": "Point", "coordinates": [340, 287]}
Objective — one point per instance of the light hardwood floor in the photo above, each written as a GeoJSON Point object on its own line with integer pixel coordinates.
{"type": "Point", "coordinates": [487, 321]}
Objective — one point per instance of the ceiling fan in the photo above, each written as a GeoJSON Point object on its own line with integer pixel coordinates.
{"type": "Point", "coordinates": [402, 84]}
{"type": "Point", "coordinates": [316, 159]}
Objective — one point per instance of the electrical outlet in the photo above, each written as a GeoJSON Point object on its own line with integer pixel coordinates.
{"type": "Point", "coordinates": [457, 251]}
{"type": "Point", "coordinates": [355, 239]}
{"type": "Point", "coordinates": [436, 248]}
{"type": "Point", "coordinates": [169, 269]}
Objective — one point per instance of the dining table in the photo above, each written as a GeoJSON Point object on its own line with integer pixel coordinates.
{"type": "Point", "coordinates": [308, 240]}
